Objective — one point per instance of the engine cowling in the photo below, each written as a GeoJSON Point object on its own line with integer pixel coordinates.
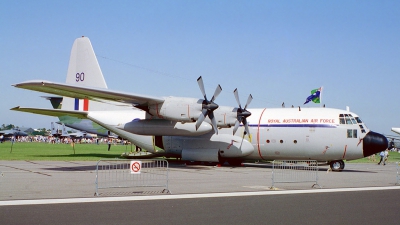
{"type": "Point", "coordinates": [189, 109]}
{"type": "Point", "coordinates": [178, 109]}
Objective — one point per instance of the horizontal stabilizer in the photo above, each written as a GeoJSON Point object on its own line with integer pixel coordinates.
{"type": "Point", "coordinates": [52, 112]}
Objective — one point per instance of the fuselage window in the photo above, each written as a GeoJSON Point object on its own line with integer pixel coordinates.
{"type": "Point", "coordinates": [358, 120]}
{"type": "Point", "coordinates": [349, 133]}
{"type": "Point", "coordinates": [354, 133]}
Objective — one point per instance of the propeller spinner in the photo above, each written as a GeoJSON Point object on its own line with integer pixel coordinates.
{"type": "Point", "coordinates": [242, 113]}
{"type": "Point", "coordinates": [208, 107]}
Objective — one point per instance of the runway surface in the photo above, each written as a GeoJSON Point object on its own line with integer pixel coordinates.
{"type": "Point", "coordinates": [62, 192]}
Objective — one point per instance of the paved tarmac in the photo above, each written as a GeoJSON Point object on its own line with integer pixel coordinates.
{"type": "Point", "coordinates": [21, 180]}
{"type": "Point", "coordinates": [43, 192]}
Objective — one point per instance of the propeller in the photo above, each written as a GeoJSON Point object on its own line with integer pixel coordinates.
{"type": "Point", "coordinates": [208, 107]}
{"type": "Point", "coordinates": [242, 113]}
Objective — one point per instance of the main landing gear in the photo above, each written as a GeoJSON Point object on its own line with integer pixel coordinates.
{"type": "Point", "coordinates": [337, 165]}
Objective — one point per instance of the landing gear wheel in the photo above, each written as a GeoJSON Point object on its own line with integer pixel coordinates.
{"type": "Point", "coordinates": [235, 162]}
{"type": "Point", "coordinates": [337, 165]}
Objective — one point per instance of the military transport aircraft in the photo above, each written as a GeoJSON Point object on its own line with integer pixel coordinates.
{"type": "Point", "coordinates": [201, 130]}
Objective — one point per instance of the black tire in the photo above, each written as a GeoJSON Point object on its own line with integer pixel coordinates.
{"type": "Point", "coordinates": [337, 165]}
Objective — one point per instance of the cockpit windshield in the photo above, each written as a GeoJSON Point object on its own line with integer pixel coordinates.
{"type": "Point", "coordinates": [349, 119]}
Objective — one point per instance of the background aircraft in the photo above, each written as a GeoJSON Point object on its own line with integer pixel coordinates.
{"type": "Point", "coordinates": [11, 133]}
{"type": "Point", "coordinates": [63, 133]}
{"type": "Point", "coordinates": [201, 130]}
{"type": "Point", "coordinates": [396, 130]}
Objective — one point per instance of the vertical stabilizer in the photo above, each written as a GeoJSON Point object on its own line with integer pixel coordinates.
{"type": "Point", "coordinates": [64, 131]}
{"type": "Point", "coordinates": [83, 67]}
{"type": "Point", "coordinates": [54, 132]}
{"type": "Point", "coordinates": [84, 70]}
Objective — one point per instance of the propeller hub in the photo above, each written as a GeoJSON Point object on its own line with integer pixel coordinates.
{"type": "Point", "coordinates": [244, 114]}
{"type": "Point", "coordinates": [210, 106]}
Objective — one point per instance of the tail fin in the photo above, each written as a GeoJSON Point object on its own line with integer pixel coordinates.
{"type": "Point", "coordinates": [84, 70]}
{"type": "Point", "coordinates": [83, 66]}
{"type": "Point", "coordinates": [64, 131]}
{"type": "Point", "coordinates": [54, 132]}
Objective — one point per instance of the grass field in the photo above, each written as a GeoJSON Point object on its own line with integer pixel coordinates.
{"type": "Point", "coordinates": [92, 152]}
{"type": "Point", "coordinates": [60, 152]}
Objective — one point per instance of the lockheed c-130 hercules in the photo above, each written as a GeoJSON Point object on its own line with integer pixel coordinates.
{"type": "Point", "coordinates": [201, 130]}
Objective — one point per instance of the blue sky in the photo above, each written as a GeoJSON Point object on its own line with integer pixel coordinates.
{"type": "Point", "coordinates": [276, 50]}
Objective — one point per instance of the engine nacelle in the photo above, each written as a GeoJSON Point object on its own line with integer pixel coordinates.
{"type": "Point", "coordinates": [159, 127]}
{"type": "Point", "coordinates": [178, 109]}
{"type": "Point", "coordinates": [225, 116]}
{"type": "Point", "coordinates": [189, 109]}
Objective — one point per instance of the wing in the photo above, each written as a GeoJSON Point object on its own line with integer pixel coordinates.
{"type": "Point", "coordinates": [90, 93]}
{"type": "Point", "coordinates": [52, 112]}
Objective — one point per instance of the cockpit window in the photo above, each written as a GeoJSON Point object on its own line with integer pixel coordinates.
{"type": "Point", "coordinates": [348, 119]}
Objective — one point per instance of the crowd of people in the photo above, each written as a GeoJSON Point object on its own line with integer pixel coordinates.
{"type": "Point", "coordinates": [66, 140]}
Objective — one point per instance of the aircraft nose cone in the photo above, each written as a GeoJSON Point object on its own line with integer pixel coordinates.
{"type": "Point", "coordinates": [374, 143]}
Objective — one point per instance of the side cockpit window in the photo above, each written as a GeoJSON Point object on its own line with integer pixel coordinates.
{"type": "Point", "coordinates": [341, 119]}
{"type": "Point", "coordinates": [351, 133]}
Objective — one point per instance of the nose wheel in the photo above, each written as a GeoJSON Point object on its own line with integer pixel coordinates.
{"type": "Point", "coordinates": [337, 165]}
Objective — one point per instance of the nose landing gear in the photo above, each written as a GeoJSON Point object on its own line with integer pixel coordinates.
{"type": "Point", "coordinates": [337, 165]}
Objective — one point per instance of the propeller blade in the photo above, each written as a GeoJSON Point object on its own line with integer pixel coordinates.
{"type": "Point", "coordinates": [213, 122]}
{"type": "Point", "coordinates": [237, 124]}
{"type": "Point", "coordinates": [208, 106]}
{"type": "Point", "coordinates": [201, 118]}
{"type": "Point", "coordinates": [248, 101]}
{"type": "Point", "coordinates": [216, 93]}
{"type": "Point", "coordinates": [246, 126]}
{"type": "Point", "coordinates": [235, 92]}
{"type": "Point", "coordinates": [201, 85]}
{"type": "Point", "coordinates": [242, 113]}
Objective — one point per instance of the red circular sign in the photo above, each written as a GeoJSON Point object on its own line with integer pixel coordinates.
{"type": "Point", "coordinates": [135, 167]}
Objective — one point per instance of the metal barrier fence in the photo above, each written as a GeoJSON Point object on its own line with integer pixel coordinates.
{"type": "Point", "coordinates": [126, 173]}
{"type": "Point", "coordinates": [294, 171]}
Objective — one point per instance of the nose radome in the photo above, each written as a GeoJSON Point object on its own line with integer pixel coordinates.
{"type": "Point", "coordinates": [374, 143]}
